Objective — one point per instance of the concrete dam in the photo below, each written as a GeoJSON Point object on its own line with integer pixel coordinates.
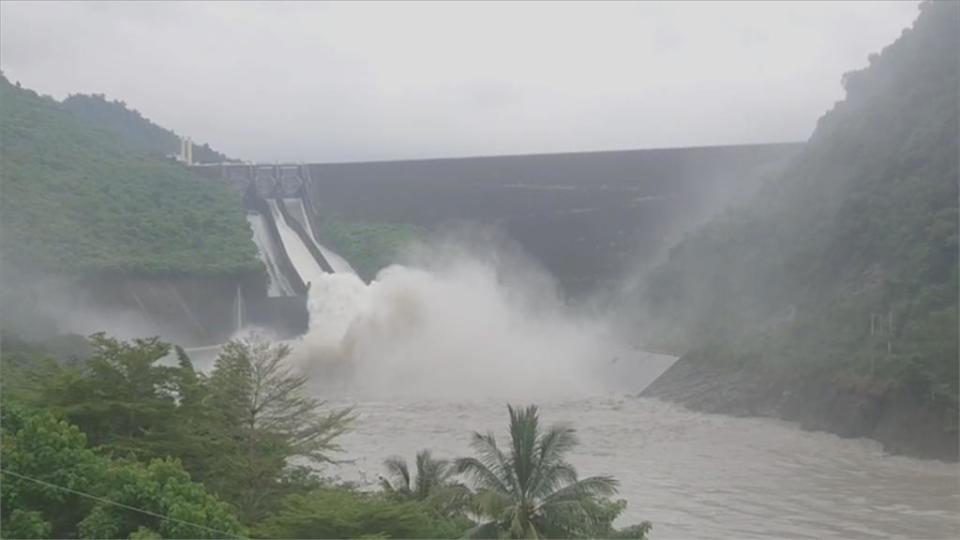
{"type": "Point", "coordinates": [590, 219]}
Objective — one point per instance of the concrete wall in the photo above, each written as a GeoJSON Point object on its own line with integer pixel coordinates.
{"type": "Point", "coordinates": [190, 311]}
{"type": "Point", "coordinates": [588, 217]}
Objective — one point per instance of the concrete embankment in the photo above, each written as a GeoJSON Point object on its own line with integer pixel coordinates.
{"type": "Point", "coordinates": [893, 417]}
{"type": "Point", "coordinates": [189, 310]}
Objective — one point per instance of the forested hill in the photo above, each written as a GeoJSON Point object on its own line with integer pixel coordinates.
{"type": "Point", "coordinates": [845, 268]}
{"type": "Point", "coordinates": [77, 200]}
{"type": "Point", "coordinates": [133, 129]}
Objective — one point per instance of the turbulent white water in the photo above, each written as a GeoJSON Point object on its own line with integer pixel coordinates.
{"type": "Point", "coordinates": [450, 327]}
{"type": "Point", "coordinates": [299, 212]}
{"type": "Point", "coordinates": [454, 330]}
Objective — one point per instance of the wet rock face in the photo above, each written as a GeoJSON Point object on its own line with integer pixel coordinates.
{"type": "Point", "coordinates": [892, 417]}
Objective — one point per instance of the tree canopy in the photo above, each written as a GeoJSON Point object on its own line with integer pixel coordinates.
{"type": "Point", "coordinates": [77, 200]}
{"type": "Point", "coordinates": [54, 486]}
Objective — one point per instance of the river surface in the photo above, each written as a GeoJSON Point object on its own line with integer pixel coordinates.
{"type": "Point", "coordinates": [695, 475]}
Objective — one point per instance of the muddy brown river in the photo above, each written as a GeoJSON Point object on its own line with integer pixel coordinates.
{"type": "Point", "coordinates": [695, 475]}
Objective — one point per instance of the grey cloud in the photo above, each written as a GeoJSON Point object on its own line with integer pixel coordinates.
{"type": "Point", "coordinates": [357, 81]}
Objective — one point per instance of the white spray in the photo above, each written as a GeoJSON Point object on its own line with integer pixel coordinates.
{"type": "Point", "coordinates": [453, 325]}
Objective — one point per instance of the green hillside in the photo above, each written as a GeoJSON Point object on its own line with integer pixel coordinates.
{"type": "Point", "coordinates": [131, 128]}
{"type": "Point", "coordinates": [75, 199]}
{"type": "Point", "coordinates": [845, 269]}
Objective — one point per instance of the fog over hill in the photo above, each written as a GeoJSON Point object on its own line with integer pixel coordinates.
{"type": "Point", "coordinates": [832, 296]}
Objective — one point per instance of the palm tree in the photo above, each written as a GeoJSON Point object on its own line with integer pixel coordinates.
{"type": "Point", "coordinates": [433, 483]}
{"type": "Point", "coordinates": [531, 492]}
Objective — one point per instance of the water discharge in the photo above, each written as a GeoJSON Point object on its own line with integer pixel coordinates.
{"type": "Point", "coordinates": [431, 351]}
{"type": "Point", "coordinates": [447, 331]}
{"type": "Point", "coordinates": [454, 325]}
{"type": "Point", "coordinates": [239, 311]}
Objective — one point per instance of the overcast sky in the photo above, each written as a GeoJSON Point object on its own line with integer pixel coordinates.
{"type": "Point", "coordinates": [360, 81]}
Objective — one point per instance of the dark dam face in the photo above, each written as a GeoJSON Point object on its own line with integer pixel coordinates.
{"type": "Point", "coordinates": [587, 217]}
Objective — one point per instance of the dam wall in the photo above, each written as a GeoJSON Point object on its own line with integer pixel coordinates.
{"type": "Point", "coordinates": [589, 218]}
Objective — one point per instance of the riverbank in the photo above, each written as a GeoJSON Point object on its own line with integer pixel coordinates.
{"type": "Point", "coordinates": [892, 417]}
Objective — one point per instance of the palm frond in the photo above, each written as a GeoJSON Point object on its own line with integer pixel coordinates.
{"type": "Point", "coordinates": [481, 475]}
{"type": "Point", "coordinates": [551, 471]}
{"type": "Point", "coordinates": [551, 478]}
{"type": "Point", "coordinates": [397, 469]}
{"type": "Point", "coordinates": [488, 453]}
{"type": "Point", "coordinates": [594, 486]}
{"type": "Point", "coordinates": [493, 504]}
{"type": "Point", "coordinates": [557, 441]}
{"type": "Point", "coordinates": [431, 474]}
{"type": "Point", "coordinates": [533, 492]}
{"type": "Point", "coordinates": [524, 428]}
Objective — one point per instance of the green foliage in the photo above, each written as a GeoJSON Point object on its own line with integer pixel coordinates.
{"type": "Point", "coordinates": [161, 487]}
{"type": "Point", "coordinates": [19, 359]}
{"type": "Point", "coordinates": [261, 417]}
{"type": "Point", "coordinates": [77, 200]}
{"type": "Point", "coordinates": [531, 491]}
{"type": "Point", "coordinates": [25, 524]}
{"type": "Point", "coordinates": [341, 513]}
{"type": "Point", "coordinates": [41, 447]}
{"type": "Point", "coordinates": [121, 397]}
{"type": "Point", "coordinates": [132, 129]}
{"type": "Point", "coordinates": [235, 431]}
{"type": "Point", "coordinates": [846, 267]}
{"type": "Point", "coordinates": [369, 247]}
{"type": "Point", "coordinates": [606, 511]}
{"type": "Point", "coordinates": [433, 483]}
{"type": "Point", "coordinates": [47, 466]}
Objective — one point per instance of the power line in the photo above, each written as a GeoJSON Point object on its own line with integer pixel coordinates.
{"type": "Point", "coordinates": [121, 505]}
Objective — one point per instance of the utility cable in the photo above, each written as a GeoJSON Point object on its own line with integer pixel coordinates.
{"type": "Point", "coordinates": [224, 534]}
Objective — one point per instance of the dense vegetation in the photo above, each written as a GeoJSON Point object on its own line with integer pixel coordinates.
{"type": "Point", "coordinates": [131, 441]}
{"type": "Point", "coordinates": [845, 268]}
{"type": "Point", "coordinates": [78, 200]}
{"type": "Point", "coordinates": [135, 131]}
{"type": "Point", "coordinates": [368, 246]}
